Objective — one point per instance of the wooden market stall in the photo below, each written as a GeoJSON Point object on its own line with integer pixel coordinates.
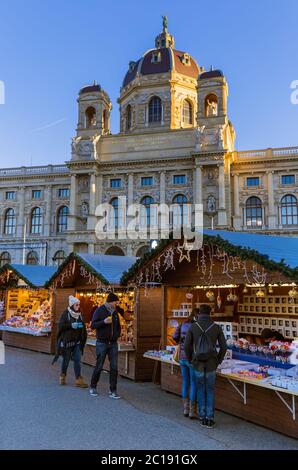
{"type": "Point", "coordinates": [247, 291]}
{"type": "Point", "coordinates": [27, 307]}
{"type": "Point", "coordinates": [91, 278]}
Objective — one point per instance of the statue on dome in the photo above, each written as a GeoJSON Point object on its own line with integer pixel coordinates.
{"type": "Point", "coordinates": [165, 23]}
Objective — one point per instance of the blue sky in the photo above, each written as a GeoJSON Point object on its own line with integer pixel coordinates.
{"type": "Point", "coordinates": [49, 49]}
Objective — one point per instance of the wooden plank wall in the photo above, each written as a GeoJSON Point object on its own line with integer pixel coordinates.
{"type": "Point", "coordinates": [148, 326]}
{"type": "Point", "coordinates": [22, 341]}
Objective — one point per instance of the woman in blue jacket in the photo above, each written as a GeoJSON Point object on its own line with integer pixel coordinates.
{"type": "Point", "coordinates": [189, 382]}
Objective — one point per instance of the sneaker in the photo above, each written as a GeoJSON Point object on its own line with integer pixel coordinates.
{"type": "Point", "coordinates": [210, 423]}
{"type": "Point", "coordinates": [203, 422]}
{"type": "Point", "coordinates": [93, 392]}
{"type": "Point", "coordinates": [114, 395]}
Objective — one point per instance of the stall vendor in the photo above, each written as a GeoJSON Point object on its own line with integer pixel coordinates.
{"type": "Point", "coordinates": [269, 335]}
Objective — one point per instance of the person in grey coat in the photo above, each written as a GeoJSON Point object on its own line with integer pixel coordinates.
{"type": "Point", "coordinates": [205, 363]}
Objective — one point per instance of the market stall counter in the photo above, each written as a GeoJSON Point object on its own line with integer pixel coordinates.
{"type": "Point", "coordinates": [91, 278]}
{"type": "Point", "coordinates": [27, 307]}
{"type": "Point", "coordinates": [248, 292]}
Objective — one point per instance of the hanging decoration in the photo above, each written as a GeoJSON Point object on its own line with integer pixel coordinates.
{"type": "Point", "coordinates": [260, 293]}
{"type": "Point", "coordinates": [293, 293]}
{"type": "Point", "coordinates": [184, 253]}
{"type": "Point", "coordinates": [210, 295]}
{"type": "Point", "coordinates": [219, 300]}
{"type": "Point", "coordinates": [168, 262]}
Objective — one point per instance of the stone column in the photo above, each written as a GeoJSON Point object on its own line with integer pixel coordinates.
{"type": "Point", "coordinates": [73, 202]}
{"type": "Point", "coordinates": [49, 214]}
{"type": "Point", "coordinates": [162, 187]}
{"type": "Point", "coordinates": [237, 215]}
{"type": "Point", "coordinates": [222, 214]}
{"type": "Point", "coordinates": [198, 194]}
{"type": "Point", "coordinates": [21, 217]}
{"type": "Point", "coordinates": [92, 203]}
{"type": "Point", "coordinates": [271, 206]}
{"type": "Point", "coordinates": [130, 190]}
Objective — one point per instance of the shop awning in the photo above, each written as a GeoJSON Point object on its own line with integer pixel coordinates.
{"type": "Point", "coordinates": [277, 248]}
{"type": "Point", "coordinates": [33, 276]}
{"type": "Point", "coordinates": [109, 266]}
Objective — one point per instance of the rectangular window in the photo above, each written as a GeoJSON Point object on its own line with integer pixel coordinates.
{"type": "Point", "coordinates": [288, 179]}
{"type": "Point", "coordinates": [179, 179]}
{"type": "Point", "coordinates": [10, 195]}
{"type": "Point", "coordinates": [115, 183]}
{"type": "Point", "coordinates": [36, 194]}
{"type": "Point", "coordinates": [253, 181]}
{"type": "Point", "coordinates": [147, 181]}
{"type": "Point", "coordinates": [63, 192]}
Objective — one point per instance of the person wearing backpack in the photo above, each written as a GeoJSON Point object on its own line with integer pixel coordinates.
{"type": "Point", "coordinates": [189, 381]}
{"type": "Point", "coordinates": [200, 349]}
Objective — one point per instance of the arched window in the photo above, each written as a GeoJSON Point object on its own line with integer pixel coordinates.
{"type": "Point", "coordinates": [4, 258]}
{"type": "Point", "coordinates": [253, 212]}
{"type": "Point", "coordinates": [155, 109]}
{"type": "Point", "coordinates": [32, 258]}
{"type": "Point", "coordinates": [147, 215]}
{"type": "Point", "coordinates": [142, 251]}
{"type": "Point", "coordinates": [9, 222]}
{"type": "Point", "coordinates": [59, 257]}
{"type": "Point", "coordinates": [90, 117]}
{"type": "Point", "coordinates": [115, 251]}
{"type": "Point", "coordinates": [289, 210]}
{"type": "Point", "coordinates": [62, 218]}
{"type": "Point", "coordinates": [36, 221]}
{"type": "Point", "coordinates": [187, 112]}
{"type": "Point", "coordinates": [128, 117]}
{"type": "Point", "coordinates": [211, 105]}
{"type": "Point", "coordinates": [180, 213]}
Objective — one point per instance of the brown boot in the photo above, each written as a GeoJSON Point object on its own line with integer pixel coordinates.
{"type": "Point", "coordinates": [186, 407]}
{"type": "Point", "coordinates": [62, 379]}
{"type": "Point", "coordinates": [193, 410]}
{"type": "Point", "coordinates": [80, 382]}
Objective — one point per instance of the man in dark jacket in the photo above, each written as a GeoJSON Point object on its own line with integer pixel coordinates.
{"type": "Point", "coordinates": [205, 365]}
{"type": "Point", "coordinates": [108, 329]}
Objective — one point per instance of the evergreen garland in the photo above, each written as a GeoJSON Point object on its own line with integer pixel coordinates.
{"type": "Point", "coordinates": [230, 249]}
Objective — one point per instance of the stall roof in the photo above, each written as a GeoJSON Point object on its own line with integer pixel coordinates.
{"type": "Point", "coordinates": [109, 266]}
{"type": "Point", "coordinates": [34, 276]}
{"type": "Point", "coordinates": [277, 248]}
{"type": "Point", "coordinates": [274, 252]}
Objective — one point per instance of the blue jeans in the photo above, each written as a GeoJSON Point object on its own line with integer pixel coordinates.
{"type": "Point", "coordinates": [189, 382]}
{"type": "Point", "coordinates": [206, 393]}
{"type": "Point", "coordinates": [102, 351]}
{"type": "Point", "coordinates": [74, 354]}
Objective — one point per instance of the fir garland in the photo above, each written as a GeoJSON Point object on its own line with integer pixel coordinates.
{"type": "Point", "coordinates": [75, 256]}
{"type": "Point", "coordinates": [230, 249]}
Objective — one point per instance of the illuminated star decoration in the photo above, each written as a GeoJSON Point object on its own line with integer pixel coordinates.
{"type": "Point", "coordinates": [184, 254]}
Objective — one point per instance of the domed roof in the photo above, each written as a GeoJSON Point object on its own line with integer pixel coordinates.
{"type": "Point", "coordinates": [211, 74]}
{"type": "Point", "coordinates": [90, 89]}
{"type": "Point", "coordinates": [168, 59]}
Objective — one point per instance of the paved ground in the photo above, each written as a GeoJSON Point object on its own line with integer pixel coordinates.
{"type": "Point", "coordinates": [36, 413]}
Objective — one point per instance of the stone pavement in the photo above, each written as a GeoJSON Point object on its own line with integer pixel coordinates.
{"type": "Point", "coordinates": [37, 413]}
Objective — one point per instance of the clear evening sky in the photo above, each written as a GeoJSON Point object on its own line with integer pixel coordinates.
{"type": "Point", "coordinates": [49, 49]}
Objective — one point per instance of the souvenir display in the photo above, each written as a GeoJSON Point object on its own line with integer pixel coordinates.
{"type": "Point", "coordinates": [30, 319]}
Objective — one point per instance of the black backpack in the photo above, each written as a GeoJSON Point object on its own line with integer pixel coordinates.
{"type": "Point", "coordinates": [204, 349]}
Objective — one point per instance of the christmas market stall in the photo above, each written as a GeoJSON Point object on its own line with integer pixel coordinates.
{"type": "Point", "coordinates": [27, 307]}
{"type": "Point", "coordinates": [249, 287]}
{"type": "Point", "coordinates": [91, 278]}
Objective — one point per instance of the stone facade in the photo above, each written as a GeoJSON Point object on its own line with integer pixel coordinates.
{"type": "Point", "coordinates": [176, 133]}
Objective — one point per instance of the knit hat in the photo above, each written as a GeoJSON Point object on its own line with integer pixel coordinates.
{"type": "Point", "coordinates": [73, 300]}
{"type": "Point", "coordinates": [112, 297]}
